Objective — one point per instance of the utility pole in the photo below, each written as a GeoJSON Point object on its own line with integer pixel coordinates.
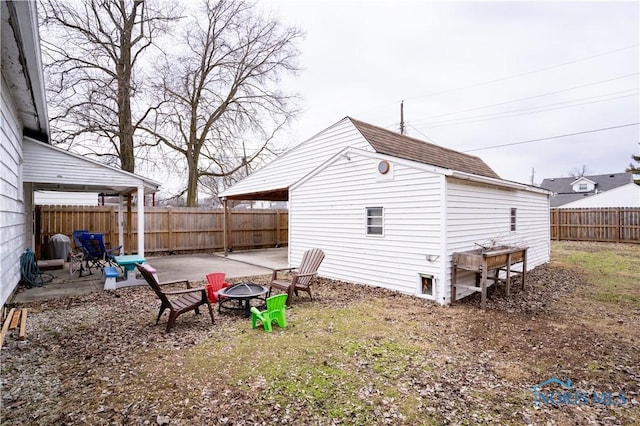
{"type": "Point", "coordinates": [533, 173]}
{"type": "Point", "coordinates": [402, 117]}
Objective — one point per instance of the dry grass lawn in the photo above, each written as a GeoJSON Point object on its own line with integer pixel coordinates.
{"type": "Point", "coordinates": [355, 355]}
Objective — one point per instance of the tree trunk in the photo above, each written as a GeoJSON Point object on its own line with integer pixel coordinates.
{"type": "Point", "coordinates": [125, 126]}
{"type": "Point", "coordinates": [192, 188]}
{"type": "Point", "coordinates": [192, 179]}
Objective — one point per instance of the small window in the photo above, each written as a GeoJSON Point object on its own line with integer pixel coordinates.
{"type": "Point", "coordinates": [513, 219]}
{"type": "Point", "coordinates": [583, 187]}
{"type": "Point", "coordinates": [427, 284]}
{"type": "Point", "coordinates": [374, 220]}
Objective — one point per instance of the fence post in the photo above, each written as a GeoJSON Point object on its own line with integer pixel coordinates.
{"type": "Point", "coordinates": [555, 232]}
{"type": "Point", "coordinates": [618, 225]}
{"type": "Point", "coordinates": [277, 228]}
{"type": "Point", "coordinates": [225, 227]}
{"type": "Point", "coordinates": [171, 245]}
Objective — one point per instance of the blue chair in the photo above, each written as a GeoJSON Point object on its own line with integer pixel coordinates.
{"type": "Point", "coordinates": [76, 237]}
{"type": "Point", "coordinates": [95, 253]}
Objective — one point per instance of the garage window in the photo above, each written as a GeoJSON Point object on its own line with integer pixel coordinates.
{"type": "Point", "coordinates": [375, 220]}
{"type": "Point", "coordinates": [513, 219]}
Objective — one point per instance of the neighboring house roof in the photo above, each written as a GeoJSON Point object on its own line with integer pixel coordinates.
{"type": "Point", "coordinates": [564, 193]}
{"type": "Point", "coordinates": [623, 196]}
{"type": "Point", "coordinates": [272, 182]}
{"type": "Point", "coordinates": [387, 142]}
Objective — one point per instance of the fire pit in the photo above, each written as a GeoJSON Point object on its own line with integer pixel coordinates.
{"type": "Point", "coordinates": [238, 296]}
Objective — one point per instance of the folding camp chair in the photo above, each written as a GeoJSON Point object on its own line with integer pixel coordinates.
{"type": "Point", "coordinates": [95, 253]}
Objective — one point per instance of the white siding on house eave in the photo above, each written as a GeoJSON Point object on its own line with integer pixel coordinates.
{"type": "Point", "coordinates": [296, 163]}
{"type": "Point", "coordinates": [13, 228]}
{"type": "Point", "coordinates": [480, 214]}
{"type": "Point", "coordinates": [45, 164]}
{"type": "Point", "coordinates": [328, 211]}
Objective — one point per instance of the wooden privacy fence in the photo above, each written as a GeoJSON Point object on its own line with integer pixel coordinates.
{"type": "Point", "coordinates": [620, 225]}
{"type": "Point", "coordinates": [167, 229]}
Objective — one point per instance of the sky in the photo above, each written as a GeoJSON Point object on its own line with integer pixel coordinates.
{"type": "Point", "coordinates": [476, 75]}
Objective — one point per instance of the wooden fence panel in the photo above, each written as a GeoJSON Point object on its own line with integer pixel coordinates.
{"type": "Point", "coordinates": [620, 225]}
{"type": "Point", "coordinates": [167, 229]}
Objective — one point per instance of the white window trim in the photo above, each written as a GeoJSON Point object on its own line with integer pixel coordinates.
{"type": "Point", "coordinates": [366, 221]}
{"type": "Point", "coordinates": [434, 281]}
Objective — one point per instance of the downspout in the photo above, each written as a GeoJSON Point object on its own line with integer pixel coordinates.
{"type": "Point", "coordinates": [445, 284]}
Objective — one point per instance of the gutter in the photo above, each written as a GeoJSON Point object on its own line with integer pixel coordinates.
{"type": "Point", "coordinates": [23, 16]}
{"type": "Point", "coordinates": [497, 182]}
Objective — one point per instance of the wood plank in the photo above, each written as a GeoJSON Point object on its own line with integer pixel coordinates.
{"type": "Point", "coordinates": [15, 319]}
{"type": "Point", "coordinates": [468, 287]}
{"type": "Point", "coordinates": [23, 324]}
{"type": "Point", "coordinates": [5, 326]}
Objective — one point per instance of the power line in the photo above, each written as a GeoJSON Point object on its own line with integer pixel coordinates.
{"type": "Point", "coordinates": [549, 105]}
{"type": "Point", "coordinates": [428, 138]}
{"type": "Point", "coordinates": [534, 96]}
{"type": "Point", "coordinates": [514, 113]}
{"type": "Point", "coordinates": [552, 137]}
{"type": "Point", "coordinates": [526, 73]}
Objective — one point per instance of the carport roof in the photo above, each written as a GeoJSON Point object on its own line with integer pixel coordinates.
{"type": "Point", "coordinates": [54, 169]}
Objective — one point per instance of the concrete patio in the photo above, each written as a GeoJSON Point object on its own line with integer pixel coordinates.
{"type": "Point", "coordinates": [193, 267]}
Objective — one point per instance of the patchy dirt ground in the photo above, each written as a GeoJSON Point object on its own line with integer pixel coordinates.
{"type": "Point", "coordinates": [353, 355]}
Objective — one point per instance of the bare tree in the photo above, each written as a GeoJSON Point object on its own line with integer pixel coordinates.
{"type": "Point", "coordinates": [93, 49]}
{"type": "Point", "coordinates": [221, 105]}
{"type": "Point", "coordinates": [578, 172]}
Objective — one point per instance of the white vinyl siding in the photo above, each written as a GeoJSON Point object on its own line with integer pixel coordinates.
{"type": "Point", "coordinates": [49, 165]}
{"type": "Point", "coordinates": [296, 163]}
{"type": "Point", "coordinates": [13, 221]}
{"type": "Point", "coordinates": [478, 215]}
{"type": "Point", "coordinates": [326, 211]}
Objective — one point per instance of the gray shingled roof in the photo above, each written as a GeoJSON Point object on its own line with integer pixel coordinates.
{"type": "Point", "coordinates": [564, 194]}
{"type": "Point", "coordinates": [390, 143]}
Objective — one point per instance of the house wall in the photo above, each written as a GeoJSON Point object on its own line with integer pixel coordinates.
{"type": "Point", "coordinates": [480, 214]}
{"type": "Point", "coordinates": [301, 160]}
{"type": "Point", "coordinates": [623, 196]}
{"type": "Point", "coordinates": [328, 211]}
{"type": "Point", "coordinates": [588, 185]}
{"type": "Point", "coordinates": [13, 220]}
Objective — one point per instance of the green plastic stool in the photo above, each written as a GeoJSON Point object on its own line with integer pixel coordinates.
{"type": "Point", "coordinates": [275, 312]}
